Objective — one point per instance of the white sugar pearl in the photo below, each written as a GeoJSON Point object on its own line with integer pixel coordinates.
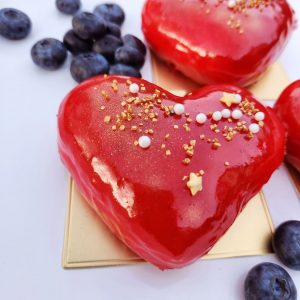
{"type": "Point", "coordinates": [254, 128]}
{"type": "Point", "coordinates": [226, 113]}
{"type": "Point", "coordinates": [201, 118]}
{"type": "Point", "coordinates": [144, 141]}
{"type": "Point", "coordinates": [236, 114]}
{"type": "Point", "coordinates": [238, 97]}
{"type": "Point", "coordinates": [231, 3]}
{"type": "Point", "coordinates": [134, 88]}
{"type": "Point", "coordinates": [259, 116]}
{"type": "Point", "coordinates": [178, 109]}
{"type": "Point", "coordinates": [217, 116]}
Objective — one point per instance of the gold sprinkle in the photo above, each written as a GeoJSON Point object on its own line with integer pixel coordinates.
{"type": "Point", "coordinates": [122, 127]}
{"type": "Point", "coordinates": [167, 136]}
{"type": "Point", "coordinates": [128, 82]}
{"type": "Point", "coordinates": [186, 161]}
{"type": "Point", "coordinates": [135, 143]}
{"type": "Point", "coordinates": [202, 136]}
{"type": "Point", "coordinates": [105, 95]}
{"type": "Point", "coordinates": [163, 146]}
{"type": "Point", "coordinates": [114, 127]}
{"type": "Point", "coordinates": [168, 152]}
{"type": "Point", "coordinates": [107, 119]}
{"type": "Point", "coordinates": [193, 142]}
{"type": "Point", "coordinates": [102, 107]}
{"type": "Point", "coordinates": [190, 152]}
{"type": "Point", "coordinates": [216, 145]}
{"type": "Point", "coordinates": [175, 126]}
{"type": "Point", "coordinates": [201, 172]}
{"type": "Point", "coordinates": [134, 128]}
{"type": "Point", "coordinates": [226, 163]}
{"type": "Point", "coordinates": [186, 127]}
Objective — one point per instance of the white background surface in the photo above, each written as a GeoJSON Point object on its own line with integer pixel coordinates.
{"type": "Point", "coordinates": [34, 186]}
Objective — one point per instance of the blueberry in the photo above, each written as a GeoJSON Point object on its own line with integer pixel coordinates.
{"type": "Point", "coordinates": [113, 29]}
{"type": "Point", "coordinates": [133, 41]}
{"type": "Point", "coordinates": [268, 281]}
{"type": "Point", "coordinates": [87, 65]}
{"type": "Point", "coordinates": [88, 26]}
{"type": "Point", "coordinates": [120, 69]}
{"type": "Point", "coordinates": [49, 54]}
{"type": "Point", "coordinates": [69, 7]}
{"type": "Point", "coordinates": [14, 24]}
{"type": "Point", "coordinates": [129, 56]}
{"type": "Point", "coordinates": [107, 46]}
{"type": "Point", "coordinates": [286, 244]}
{"type": "Point", "coordinates": [110, 12]}
{"type": "Point", "coordinates": [75, 44]}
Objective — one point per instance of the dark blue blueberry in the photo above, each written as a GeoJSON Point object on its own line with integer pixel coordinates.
{"type": "Point", "coordinates": [129, 56]}
{"type": "Point", "coordinates": [113, 29]}
{"type": "Point", "coordinates": [87, 65]}
{"type": "Point", "coordinates": [110, 12]}
{"type": "Point", "coordinates": [133, 41]}
{"type": "Point", "coordinates": [75, 44]}
{"type": "Point", "coordinates": [120, 69]}
{"type": "Point", "coordinates": [49, 54]}
{"type": "Point", "coordinates": [107, 46]}
{"type": "Point", "coordinates": [69, 7]}
{"type": "Point", "coordinates": [88, 26]}
{"type": "Point", "coordinates": [268, 281]}
{"type": "Point", "coordinates": [286, 244]}
{"type": "Point", "coordinates": [14, 24]}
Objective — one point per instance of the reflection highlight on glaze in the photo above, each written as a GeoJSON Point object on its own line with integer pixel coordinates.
{"type": "Point", "coordinates": [122, 191]}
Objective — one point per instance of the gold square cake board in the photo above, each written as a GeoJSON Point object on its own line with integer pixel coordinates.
{"type": "Point", "coordinates": [89, 243]}
{"type": "Point", "coordinates": [269, 87]}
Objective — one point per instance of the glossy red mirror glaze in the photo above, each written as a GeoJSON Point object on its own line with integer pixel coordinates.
{"type": "Point", "coordinates": [145, 195]}
{"type": "Point", "coordinates": [212, 43]}
{"type": "Point", "coordinates": [288, 109]}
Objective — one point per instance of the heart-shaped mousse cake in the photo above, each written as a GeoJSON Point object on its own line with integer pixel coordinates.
{"type": "Point", "coordinates": [223, 41]}
{"type": "Point", "coordinates": [288, 109]}
{"type": "Point", "coordinates": [168, 175]}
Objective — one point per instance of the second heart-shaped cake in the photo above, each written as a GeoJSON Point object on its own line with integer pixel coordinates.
{"type": "Point", "coordinates": [288, 108]}
{"type": "Point", "coordinates": [168, 175]}
{"type": "Point", "coordinates": [224, 41]}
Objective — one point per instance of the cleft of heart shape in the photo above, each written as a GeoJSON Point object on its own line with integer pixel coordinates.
{"type": "Point", "coordinates": [168, 175]}
{"type": "Point", "coordinates": [216, 42]}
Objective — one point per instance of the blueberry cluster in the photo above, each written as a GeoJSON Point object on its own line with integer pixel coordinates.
{"type": "Point", "coordinates": [271, 281]}
{"type": "Point", "coordinates": [95, 42]}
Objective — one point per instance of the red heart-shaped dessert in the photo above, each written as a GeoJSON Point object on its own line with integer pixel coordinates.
{"type": "Point", "coordinates": [288, 108]}
{"type": "Point", "coordinates": [218, 41]}
{"type": "Point", "coordinates": [168, 175]}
